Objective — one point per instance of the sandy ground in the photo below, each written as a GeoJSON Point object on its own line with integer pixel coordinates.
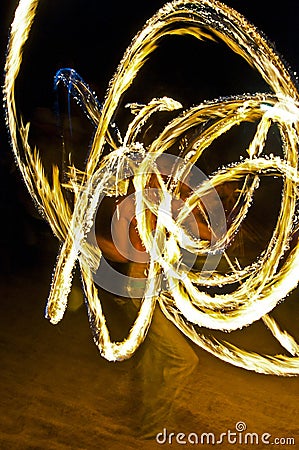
{"type": "Point", "coordinates": [58, 393]}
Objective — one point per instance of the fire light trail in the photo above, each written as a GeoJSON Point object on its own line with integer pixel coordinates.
{"type": "Point", "coordinates": [258, 287]}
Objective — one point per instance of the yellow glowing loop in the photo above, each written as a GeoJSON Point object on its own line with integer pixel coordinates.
{"type": "Point", "coordinates": [261, 285]}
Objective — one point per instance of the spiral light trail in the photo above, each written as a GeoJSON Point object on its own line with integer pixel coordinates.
{"type": "Point", "coordinates": [258, 287]}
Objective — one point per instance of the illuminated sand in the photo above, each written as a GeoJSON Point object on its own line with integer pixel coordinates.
{"type": "Point", "coordinates": [57, 393]}
{"type": "Point", "coordinates": [260, 286]}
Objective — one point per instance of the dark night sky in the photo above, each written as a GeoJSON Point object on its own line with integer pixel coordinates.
{"type": "Point", "coordinates": [92, 36]}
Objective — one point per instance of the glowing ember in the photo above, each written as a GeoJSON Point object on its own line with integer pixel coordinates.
{"type": "Point", "coordinates": [255, 289]}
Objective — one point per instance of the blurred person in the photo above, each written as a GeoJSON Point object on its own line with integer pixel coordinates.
{"type": "Point", "coordinates": [167, 360]}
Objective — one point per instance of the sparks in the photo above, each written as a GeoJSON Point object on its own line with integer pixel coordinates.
{"type": "Point", "coordinates": [259, 287]}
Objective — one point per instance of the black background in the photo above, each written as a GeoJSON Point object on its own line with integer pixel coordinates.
{"type": "Point", "coordinates": [91, 37]}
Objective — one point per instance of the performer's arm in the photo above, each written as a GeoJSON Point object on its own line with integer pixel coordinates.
{"type": "Point", "coordinates": [109, 250]}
